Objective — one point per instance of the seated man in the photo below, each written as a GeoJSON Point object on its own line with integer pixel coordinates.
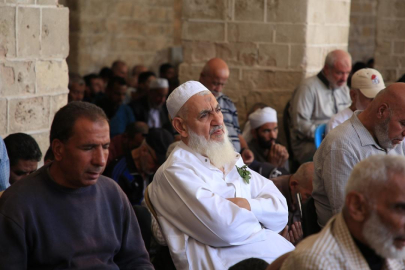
{"type": "Point", "coordinates": [144, 81]}
{"type": "Point", "coordinates": [366, 84]}
{"type": "Point", "coordinates": [76, 87]}
{"type": "Point", "coordinates": [66, 215]}
{"type": "Point", "coordinates": [316, 100]}
{"type": "Point", "coordinates": [379, 129]}
{"type": "Point", "coordinates": [150, 109]}
{"type": "Point", "coordinates": [134, 171]}
{"type": "Point", "coordinates": [4, 167]}
{"type": "Point", "coordinates": [292, 186]}
{"type": "Point", "coordinates": [213, 211]}
{"type": "Point", "coordinates": [132, 138]}
{"type": "Point", "coordinates": [24, 154]}
{"type": "Point", "coordinates": [119, 69]}
{"type": "Point", "coordinates": [264, 129]}
{"type": "Point", "coordinates": [369, 232]}
{"type": "Point", "coordinates": [94, 88]}
{"type": "Point", "coordinates": [119, 114]}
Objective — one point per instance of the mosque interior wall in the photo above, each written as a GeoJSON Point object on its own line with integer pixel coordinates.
{"type": "Point", "coordinates": [270, 46]}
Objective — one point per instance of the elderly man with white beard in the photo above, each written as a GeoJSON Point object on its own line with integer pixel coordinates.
{"type": "Point", "coordinates": [212, 209]}
{"type": "Point", "coordinates": [370, 231]}
{"type": "Point", "coordinates": [379, 129]}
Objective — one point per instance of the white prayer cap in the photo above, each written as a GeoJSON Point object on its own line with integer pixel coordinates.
{"type": "Point", "coordinates": [181, 94]}
{"type": "Point", "coordinates": [159, 83]}
{"type": "Point", "coordinates": [262, 116]}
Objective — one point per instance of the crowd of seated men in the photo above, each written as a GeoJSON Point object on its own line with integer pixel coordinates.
{"type": "Point", "coordinates": [143, 172]}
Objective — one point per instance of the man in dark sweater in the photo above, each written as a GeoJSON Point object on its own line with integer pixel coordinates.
{"type": "Point", "coordinates": [66, 215]}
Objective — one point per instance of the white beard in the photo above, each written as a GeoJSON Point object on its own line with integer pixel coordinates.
{"type": "Point", "coordinates": [220, 153]}
{"type": "Point", "coordinates": [380, 239]}
{"type": "Point", "coordinates": [381, 132]}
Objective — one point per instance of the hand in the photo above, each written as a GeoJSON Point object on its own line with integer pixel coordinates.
{"type": "Point", "coordinates": [296, 234]}
{"type": "Point", "coordinates": [284, 233]}
{"type": "Point", "coordinates": [241, 202]}
{"type": "Point", "coordinates": [278, 155]}
{"type": "Point", "coordinates": [247, 156]}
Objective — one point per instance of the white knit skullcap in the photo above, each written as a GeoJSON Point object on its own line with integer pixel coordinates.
{"type": "Point", "coordinates": [262, 116]}
{"type": "Point", "coordinates": [159, 83]}
{"type": "Point", "coordinates": [181, 94]}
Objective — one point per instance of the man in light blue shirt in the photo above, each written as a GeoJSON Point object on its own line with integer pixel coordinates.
{"type": "Point", "coordinates": [4, 166]}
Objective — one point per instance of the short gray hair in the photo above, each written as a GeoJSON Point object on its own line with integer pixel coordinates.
{"type": "Point", "coordinates": [331, 58]}
{"type": "Point", "coordinates": [371, 173]}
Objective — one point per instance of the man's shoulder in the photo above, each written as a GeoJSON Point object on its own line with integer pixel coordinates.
{"type": "Point", "coordinates": [225, 102]}
{"type": "Point", "coordinates": [341, 136]}
{"type": "Point", "coordinates": [317, 251]}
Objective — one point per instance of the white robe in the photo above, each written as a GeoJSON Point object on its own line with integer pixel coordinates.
{"type": "Point", "coordinates": [203, 229]}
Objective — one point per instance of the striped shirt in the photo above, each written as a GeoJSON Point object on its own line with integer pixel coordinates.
{"type": "Point", "coordinates": [332, 248]}
{"type": "Point", "coordinates": [230, 114]}
{"type": "Point", "coordinates": [343, 147]}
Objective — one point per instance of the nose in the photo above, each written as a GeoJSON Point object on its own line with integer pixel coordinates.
{"type": "Point", "coordinates": [100, 156]}
{"type": "Point", "coordinates": [217, 119]}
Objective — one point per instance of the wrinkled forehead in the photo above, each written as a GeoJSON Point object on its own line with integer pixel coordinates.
{"type": "Point", "coordinates": [198, 103]}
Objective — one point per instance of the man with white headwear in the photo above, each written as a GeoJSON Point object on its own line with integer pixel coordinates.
{"type": "Point", "coordinates": [369, 233]}
{"type": "Point", "coordinates": [366, 84]}
{"type": "Point", "coordinates": [264, 129]}
{"type": "Point", "coordinates": [213, 210]}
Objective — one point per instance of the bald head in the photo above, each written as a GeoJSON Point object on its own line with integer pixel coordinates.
{"type": "Point", "coordinates": [338, 65]}
{"type": "Point", "coordinates": [301, 181]}
{"type": "Point", "coordinates": [214, 75]}
{"type": "Point", "coordinates": [120, 69]}
{"type": "Point", "coordinates": [384, 118]}
{"type": "Point", "coordinates": [305, 174]}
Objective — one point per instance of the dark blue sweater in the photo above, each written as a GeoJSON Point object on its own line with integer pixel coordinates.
{"type": "Point", "coordinates": [46, 226]}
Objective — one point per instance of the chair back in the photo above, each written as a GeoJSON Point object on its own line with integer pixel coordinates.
{"type": "Point", "coordinates": [319, 135]}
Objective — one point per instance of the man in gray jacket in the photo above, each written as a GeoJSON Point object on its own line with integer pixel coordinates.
{"type": "Point", "coordinates": [316, 100]}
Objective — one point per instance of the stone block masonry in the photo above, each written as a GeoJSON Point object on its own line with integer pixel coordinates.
{"type": "Point", "coordinates": [135, 31]}
{"type": "Point", "coordinates": [33, 71]}
{"type": "Point", "coordinates": [269, 45]}
{"type": "Point", "coordinates": [390, 39]}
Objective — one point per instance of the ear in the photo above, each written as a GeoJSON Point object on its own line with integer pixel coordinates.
{"type": "Point", "coordinates": [383, 111]}
{"type": "Point", "coordinates": [356, 205]}
{"type": "Point", "coordinates": [293, 184]}
{"type": "Point", "coordinates": [180, 126]}
{"type": "Point", "coordinates": [326, 70]}
{"type": "Point", "coordinates": [57, 149]}
{"type": "Point", "coordinates": [254, 133]}
{"type": "Point", "coordinates": [353, 95]}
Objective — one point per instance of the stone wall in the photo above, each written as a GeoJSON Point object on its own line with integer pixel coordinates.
{"type": "Point", "coordinates": [363, 20]}
{"type": "Point", "coordinates": [270, 45]}
{"type": "Point", "coordinates": [136, 31]}
{"type": "Point", "coordinates": [33, 71]}
{"type": "Point", "coordinates": [390, 39]}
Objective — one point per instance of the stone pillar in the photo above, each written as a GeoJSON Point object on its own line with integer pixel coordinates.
{"type": "Point", "coordinates": [33, 71]}
{"type": "Point", "coordinates": [363, 20]}
{"type": "Point", "coordinates": [270, 45]}
{"type": "Point", "coordinates": [390, 39]}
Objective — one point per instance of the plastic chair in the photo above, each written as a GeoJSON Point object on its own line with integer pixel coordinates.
{"type": "Point", "coordinates": [319, 135]}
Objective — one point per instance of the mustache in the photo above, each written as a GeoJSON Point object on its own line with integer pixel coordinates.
{"type": "Point", "coordinates": [221, 127]}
